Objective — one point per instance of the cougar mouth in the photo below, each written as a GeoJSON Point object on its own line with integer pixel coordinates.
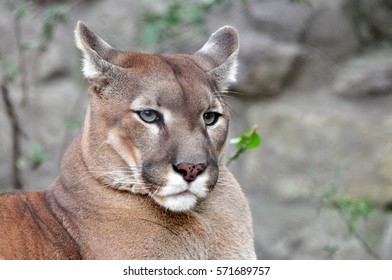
{"type": "Point", "coordinates": [182, 193]}
{"type": "Point", "coordinates": [181, 202]}
{"type": "Point", "coordinates": [178, 195]}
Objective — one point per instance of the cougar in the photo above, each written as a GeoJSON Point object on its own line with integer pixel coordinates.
{"type": "Point", "coordinates": [145, 178]}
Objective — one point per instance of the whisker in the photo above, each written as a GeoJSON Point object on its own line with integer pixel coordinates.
{"type": "Point", "coordinates": [114, 171]}
{"type": "Point", "coordinates": [159, 187]}
{"type": "Point", "coordinates": [81, 179]}
{"type": "Point", "coordinates": [227, 93]}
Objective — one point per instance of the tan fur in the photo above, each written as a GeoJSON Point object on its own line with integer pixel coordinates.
{"type": "Point", "coordinates": [120, 194]}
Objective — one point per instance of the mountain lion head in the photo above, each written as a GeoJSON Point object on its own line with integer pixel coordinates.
{"type": "Point", "coordinates": [157, 124]}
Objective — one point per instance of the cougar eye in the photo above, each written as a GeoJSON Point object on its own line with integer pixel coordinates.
{"type": "Point", "coordinates": [211, 118]}
{"type": "Point", "coordinates": [149, 116]}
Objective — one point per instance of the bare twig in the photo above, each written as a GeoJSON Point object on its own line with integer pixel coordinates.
{"type": "Point", "coordinates": [16, 136]}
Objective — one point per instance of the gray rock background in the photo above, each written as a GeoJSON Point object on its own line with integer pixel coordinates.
{"type": "Point", "coordinates": [315, 76]}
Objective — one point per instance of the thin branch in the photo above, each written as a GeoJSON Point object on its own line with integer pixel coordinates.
{"type": "Point", "coordinates": [241, 150]}
{"type": "Point", "coordinates": [16, 135]}
{"type": "Point", "coordinates": [24, 84]}
{"type": "Point", "coordinates": [356, 234]}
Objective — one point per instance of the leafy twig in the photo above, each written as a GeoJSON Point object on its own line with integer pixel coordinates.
{"type": "Point", "coordinates": [350, 211]}
{"type": "Point", "coordinates": [247, 141]}
{"type": "Point", "coordinates": [157, 26]}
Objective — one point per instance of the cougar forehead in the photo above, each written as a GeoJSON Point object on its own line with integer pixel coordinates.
{"type": "Point", "coordinates": [176, 79]}
{"type": "Point", "coordinates": [177, 86]}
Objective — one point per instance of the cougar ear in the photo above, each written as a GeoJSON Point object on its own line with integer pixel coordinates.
{"type": "Point", "coordinates": [95, 52]}
{"type": "Point", "coordinates": [219, 55]}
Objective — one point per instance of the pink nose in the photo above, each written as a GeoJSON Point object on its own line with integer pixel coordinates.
{"type": "Point", "coordinates": [189, 171]}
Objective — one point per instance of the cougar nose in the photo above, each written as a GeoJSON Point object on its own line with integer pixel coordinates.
{"type": "Point", "coordinates": [189, 171]}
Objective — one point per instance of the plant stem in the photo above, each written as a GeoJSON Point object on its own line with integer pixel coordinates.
{"type": "Point", "coordinates": [356, 234]}
{"type": "Point", "coordinates": [240, 150]}
{"type": "Point", "coordinates": [16, 133]}
{"type": "Point", "coordinates": [21, 62]}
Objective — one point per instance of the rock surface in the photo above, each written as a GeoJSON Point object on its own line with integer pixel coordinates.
{"type": "Point", "coordinates": [321, 98]}
{"type": "Point", "coordinates": [368, 75]}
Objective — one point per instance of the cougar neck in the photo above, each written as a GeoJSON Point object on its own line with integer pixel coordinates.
{"type": "Point", "coordinates": [73, 166]}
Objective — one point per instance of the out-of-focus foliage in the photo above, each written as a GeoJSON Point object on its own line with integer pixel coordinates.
{"type": "Point", "coordinates": [53, 16]}
{"type": "Point", "coordinates": [352, 211]}
{"type": "Point", "coordinates": [34, 158]}
{"type": "Point", "coordinates": [157, 25]}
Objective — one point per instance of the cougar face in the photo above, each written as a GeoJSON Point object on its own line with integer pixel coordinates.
{"type": "Point", "coordinates": [162, 119]}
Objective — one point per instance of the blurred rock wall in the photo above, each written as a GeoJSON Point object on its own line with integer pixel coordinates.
{"type": "Point", "coordinates": [321, 93]}
{"type": "Point", "coordinates": [314, 75]}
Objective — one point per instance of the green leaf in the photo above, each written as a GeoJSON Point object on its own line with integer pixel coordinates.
{"type": "Point", "coordinates": [354, 210]}
{"type": "Point", "coordinates": [31, 44]}
{"type": "Point", "coordinates": [249, 140]}
{"type": "Point", "coordinates": [11, 69]}
{"type": "Point", "coordinates": [331, 250]}
{"type": "Point", "coordinates": [175, 16]}
{"type": "Point", "coordinates": [47, 30]}
{"type": "Point", "coordinates": [22, 163]}
{"type": "Point", "coordinates": [37, 155]}
{"type": "Point", "coordinates": [34, 159]}
{"type": "Point", "coordinates": [55, 14]}
{"type": "Point", "coordinates": [18, 10]}
{"type": "Point", "coordinates": [150, 36]}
